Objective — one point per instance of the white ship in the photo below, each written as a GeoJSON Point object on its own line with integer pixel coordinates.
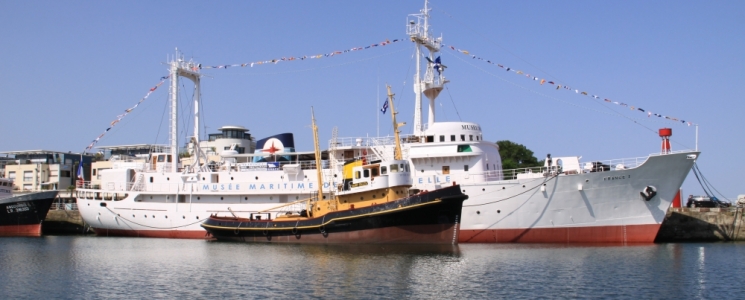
{"type": "Point", "coordinates": [159, 197]}
{"type": "Point", "coordinates": [623, 200]}
{"type": "Point", "coordinates": [565, 201]}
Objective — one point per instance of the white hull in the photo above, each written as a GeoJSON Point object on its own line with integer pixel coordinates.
{"type": "Point", "coordinates": [586, 207]}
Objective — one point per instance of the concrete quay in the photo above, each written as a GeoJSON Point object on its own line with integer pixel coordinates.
{"type": "Point", "coordinates": [682, 224]}
{"type": "Point", "coordinates": [64, 221]}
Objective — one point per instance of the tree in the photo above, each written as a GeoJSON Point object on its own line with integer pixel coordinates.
{"type": "Point", "coordinates": [516, 156]}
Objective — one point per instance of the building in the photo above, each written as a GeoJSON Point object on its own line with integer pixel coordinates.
{"type": "Point", "coordinates": [37, 170]}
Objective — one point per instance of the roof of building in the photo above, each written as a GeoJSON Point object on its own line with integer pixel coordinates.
{"type": "Point", "coordinates": [131, 147]}
{"type": "Point", "coordinates": [41, 152]}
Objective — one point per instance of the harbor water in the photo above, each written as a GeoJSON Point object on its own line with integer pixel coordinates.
{"type": "Point", "coordinates": [88, 267]}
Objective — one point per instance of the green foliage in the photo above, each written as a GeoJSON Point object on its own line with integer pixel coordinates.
{"type": "Point", "coordinates": [516, 156]}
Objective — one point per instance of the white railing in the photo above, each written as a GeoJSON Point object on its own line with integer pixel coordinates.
{"type": "Point", "coordinates": [64, 206]}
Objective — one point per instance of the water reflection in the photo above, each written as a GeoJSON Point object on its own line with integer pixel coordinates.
{"type": "Point", "coordinates": [94, 267]}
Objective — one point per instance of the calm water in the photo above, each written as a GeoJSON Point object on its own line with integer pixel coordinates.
{"type": "Point", "coordinates": [86, 267]}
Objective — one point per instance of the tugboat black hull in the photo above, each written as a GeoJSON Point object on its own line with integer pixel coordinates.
{"type": "Point", "coordinates": [424, 218]}
{"type": "Point", "coordinates": [22, 215]}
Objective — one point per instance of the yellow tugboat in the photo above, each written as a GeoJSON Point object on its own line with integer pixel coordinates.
{"type": "Point", "coordinates": [374, 204]}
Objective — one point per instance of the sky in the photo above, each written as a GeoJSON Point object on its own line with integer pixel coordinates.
{"type": "Point", "coordinates": [69, 68]}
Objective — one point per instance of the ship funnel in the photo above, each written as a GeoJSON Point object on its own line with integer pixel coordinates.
{"type": "Point", "coordinates": [665, 134]}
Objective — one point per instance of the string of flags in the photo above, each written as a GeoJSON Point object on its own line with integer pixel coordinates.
{"type": "Point", "coordinates": [251, 64]}
{"type": "Point", "coordinates": [302, 57]}
{"type": "Point", "coordinates": [559, 86]}
{"type": "Point", "coordinates": [126, 112]}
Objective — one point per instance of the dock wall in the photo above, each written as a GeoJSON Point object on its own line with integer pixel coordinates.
{"type": "Point", "coordinates": [702, 224]}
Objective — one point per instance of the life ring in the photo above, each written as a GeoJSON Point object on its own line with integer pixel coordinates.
{"type": "Point", "coordinates": [648, 192]}
{"type": "Point", "coordinates": [364, 157]}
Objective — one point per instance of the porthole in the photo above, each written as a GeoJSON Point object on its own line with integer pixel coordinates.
{"type": "Point", "coordinates": [324, 197]}
{"type": "Point", "coordinates": [334, 175]}
{"type": "Point", "coordinates": [220, 198]}
{"type": "Point", "coordinates": [587, 180]}
{"type": "Point", "coordinates": [503, 188]}
{"type": "Point", "coordinates": [257, 177]}
{"type": "Point", "coordinates": [270, 198]}
{"type": "Point", "coordinates": [198, 198]}
{"type": "Point", "coordinates": [145, 216]}
{"type": "Point", "coordinates": [499, 211]}
{"type": "Point", "coordinates": [483, 190]}
{"type": "Point", "coordinates": [133, 216]}
{"type": "Point", "coordinates": [478, 212]}
{"type": "Point", "coordinates": [281, 177]}
{"type": "Point", "coordinates": [523, 185]}
{"type": "Point", "coordinates": [231, 178]}
{"type": "Point", "coordinates": [245, 198]}
{"type": "Point", "coordinates": [306, 176]}
{"type": "Point", "coordinates": [183, 217]}
{"type": "Point", "coordinates": [153, 216]}
{"type": "Point", "coordinates": [202, 178]}
{"type": "Point", "coordinates": [168, 178]}
{"type": "Point", "coordinates": [151, 197]}
{"type": "Point", "coordinates": [361, 198]}
{"type": "Point", "coordinates": [166, 217]}
{"type": "Point", "coordinates": [197, 217]}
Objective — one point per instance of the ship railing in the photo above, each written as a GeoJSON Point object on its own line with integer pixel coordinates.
{"type": "Point", "coordinates": [64, 206]}
{"type": "Point", "coordinates": [272, 166]}
{"type": "Point", "coordinates": [513, 174]}
{"type": "Point", "coordinates": [613, 164]}
{"type": "Point", "coordinates": [373, 141]}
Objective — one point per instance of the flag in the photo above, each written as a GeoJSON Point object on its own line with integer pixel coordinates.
{"type": "Point", "coordinates": [80, 171]}
{"type": "Point", "coordinates": [81, 178]}
{"type": "Point", "coordinates": [385, 107]}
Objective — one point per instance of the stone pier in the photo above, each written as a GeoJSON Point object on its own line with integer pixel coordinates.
{"type": "Point", "coordinates": [702, 224]}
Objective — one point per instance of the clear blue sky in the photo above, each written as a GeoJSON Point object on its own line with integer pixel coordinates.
{"type": "Point", "coordinates": [68, 68]}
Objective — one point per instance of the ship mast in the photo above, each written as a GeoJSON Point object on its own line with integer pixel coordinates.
{"type": "Point", "coordinates": [430, 85]}
{"type": "Point", "coordinates": [189, 70]}
{"type": "Point", "coordinates": [318, 153]}
{"type": "Point", "coordinates": [397, 152]}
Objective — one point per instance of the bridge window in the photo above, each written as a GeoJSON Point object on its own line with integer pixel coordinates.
{"type": "Point", "coordinates": [430, 139]}
{"type": "Point", "coordinates": [374, 172]}
{"type": "Point", "coordinates": [366, 173]}
{"type": "Point", "coordinates": [442, 138]}
{"type": "Point", "coordinates": [452, 138]}
{"type": "Point", "coordinates": [383, 170]}
{"type": "Point", "coordinates": [357, 175]}
{"type": "Point", "coordinates": [394, 168]}
{"type": "Point", "coordinates": [464, 148]}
